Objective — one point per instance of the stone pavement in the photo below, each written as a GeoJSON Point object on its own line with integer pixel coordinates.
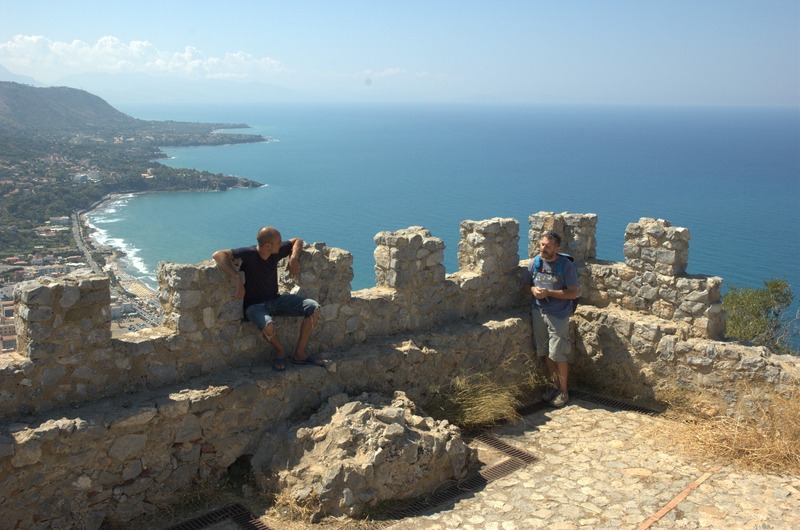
{"type": "Point", "coordinates": [604, 469]}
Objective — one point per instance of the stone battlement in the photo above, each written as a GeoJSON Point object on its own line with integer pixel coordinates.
{"type": "Point", "coordinates": [163, 407]}
{"type": "Point", "coordinates": [69, 356]}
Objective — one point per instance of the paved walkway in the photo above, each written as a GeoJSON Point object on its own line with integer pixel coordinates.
{"type": "Point", "coordinates": [603, 469]}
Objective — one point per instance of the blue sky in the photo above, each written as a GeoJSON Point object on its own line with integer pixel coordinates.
{"type": "Point", "coordinates": [716, 52]}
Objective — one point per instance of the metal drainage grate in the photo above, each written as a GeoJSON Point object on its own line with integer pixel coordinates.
{"type": "Point", "coordinates": [517, 460]}
{"type": "Point", "coordinates": [235, 513]}
{"type": "Point", "coordinates": [420, 505]}
{"type": "Point", "coordinates": [613, 403]}
{"type": "Point", "coordinates": [505, 448]}
{"type": "Point", "coordinates": [591, 398]}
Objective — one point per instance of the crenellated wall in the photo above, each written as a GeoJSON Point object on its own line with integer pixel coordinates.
{"type": "Point", "coordinates": [68, 355]}
{"type": "Point", "coordinates": [652, 281]}
{"type": "Point", "coordinates": [106, 429]}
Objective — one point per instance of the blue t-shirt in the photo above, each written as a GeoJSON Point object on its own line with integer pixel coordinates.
{"type": "Point", "coordinates": [260, 275]}
{"type": "Point", "coordinates": [548, 278]}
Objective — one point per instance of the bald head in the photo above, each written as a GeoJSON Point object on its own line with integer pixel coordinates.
{"type": "Point", "coordinates": [268, 234]}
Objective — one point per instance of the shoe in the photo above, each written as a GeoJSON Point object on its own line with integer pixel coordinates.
{"type": "Point", "coordinates": [549, 394]}
{"type": "Point", "coordinates": [560, 400]}
{"type": "Point", "coordinates": [280, 364]}
{"type": "Point", "coordinates": [310, 360]}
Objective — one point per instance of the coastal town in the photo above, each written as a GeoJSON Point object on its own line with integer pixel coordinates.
{"type": "Point", "coordinates": [134, 305]}
{"type": "Point", "coordinates": [64, 152]}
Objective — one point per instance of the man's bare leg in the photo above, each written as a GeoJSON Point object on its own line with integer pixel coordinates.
{"type": "Point", "coordinates": [559, 373]}
{"type": "Point", "coordinates": [272, 337]}
{"type": "Point", "coordinates": [305, 332]}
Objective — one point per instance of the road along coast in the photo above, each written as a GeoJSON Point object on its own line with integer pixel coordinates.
{"type": "Point", "coordinates": [143, 299]}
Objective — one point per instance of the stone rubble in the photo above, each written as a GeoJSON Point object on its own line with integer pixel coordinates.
{"type": "Point", "coordinates": [358, 452]}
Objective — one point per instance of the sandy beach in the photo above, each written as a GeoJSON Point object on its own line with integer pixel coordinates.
{"type": "Point", "coordinates": [127, 287]}
{"type": "Point", "coordinates": [111, 255]}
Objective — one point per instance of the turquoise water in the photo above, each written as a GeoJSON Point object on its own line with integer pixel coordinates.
{"type": "Point", "coordinates": [340, 174]}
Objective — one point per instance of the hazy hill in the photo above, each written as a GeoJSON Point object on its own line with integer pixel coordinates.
{"type": "Point", "coordinates": [57, 115]}
{"type": "Point", "coordinates": [57, 109]}
{"type": "Point", "coordinates": [122, 88]}
{"type": "Point", "coordinates": [8, 75]}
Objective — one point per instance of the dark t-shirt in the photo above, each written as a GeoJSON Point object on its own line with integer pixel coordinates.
{"type": "Point", "coordinates": [260, 276]}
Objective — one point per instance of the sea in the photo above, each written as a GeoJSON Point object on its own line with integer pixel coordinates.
{"type": "Point", "coordinates": [340, 173]}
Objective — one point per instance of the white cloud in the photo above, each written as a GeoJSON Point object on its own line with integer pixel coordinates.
{"type": "Point", "coordinates": [47, 60]}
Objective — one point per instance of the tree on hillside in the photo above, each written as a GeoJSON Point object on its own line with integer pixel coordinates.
{"type": "Point", "coordinates": [759, 316]}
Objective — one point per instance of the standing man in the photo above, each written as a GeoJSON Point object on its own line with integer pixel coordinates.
{"type": "Point", "coordinates": [259, 290]}
{"type": "Point", "coordinates": [553, 281]}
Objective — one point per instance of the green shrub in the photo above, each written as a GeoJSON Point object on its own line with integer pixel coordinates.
{"type": "Point", "coordinates": [759, 316]}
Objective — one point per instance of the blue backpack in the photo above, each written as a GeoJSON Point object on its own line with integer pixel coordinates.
{"type": "Point", "coordinates": [538, 267]}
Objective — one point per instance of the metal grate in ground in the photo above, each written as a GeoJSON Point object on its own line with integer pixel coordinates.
{"type": "Point", "coordinates": [236, 514]}
{"type": "Point", "coordinates": [506, 449]}
{"type": "Point", "coordinates": [517, 459]}
{"type": "Point", "coordinates": [613, 403]}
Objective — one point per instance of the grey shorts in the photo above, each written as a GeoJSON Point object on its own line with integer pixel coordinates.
{"type": "Point", "coordinates": [551, 336]}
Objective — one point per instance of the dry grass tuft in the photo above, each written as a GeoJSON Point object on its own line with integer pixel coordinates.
{"type": "Point", "coordinates": [475, 400]}
{"type": "Point", "coordinates": [288, 514]}
{"type": "Point", "coordinates": [763, 437]}
{"type": "Point", "coordinates": [287, 507]}
{"type": "Point", "coordinates": [685, 403]}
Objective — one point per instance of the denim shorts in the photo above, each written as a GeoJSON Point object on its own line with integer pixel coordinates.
{"type": "Point", "coordinates": [286, 305]}
{"type": "Point", "coordinates": [551, 336]}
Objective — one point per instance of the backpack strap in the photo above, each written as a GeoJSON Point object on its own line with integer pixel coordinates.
{"type": "Point", "coordinates": [560, 270]}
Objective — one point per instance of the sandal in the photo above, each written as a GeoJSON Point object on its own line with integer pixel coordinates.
{"type": "Point", "coordinates": [280, 364]}
{"type": "Point", "coordinates": [310, 360]}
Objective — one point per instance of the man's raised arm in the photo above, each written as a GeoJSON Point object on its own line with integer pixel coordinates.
{"type": "Point", "coordinates": [224, 260]}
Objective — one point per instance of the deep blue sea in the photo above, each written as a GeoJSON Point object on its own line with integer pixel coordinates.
{"type": "Point", "coordinates": [342, 173]}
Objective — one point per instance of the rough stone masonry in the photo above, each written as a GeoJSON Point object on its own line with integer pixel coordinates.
{"type": "Point", "coordinates": [96, 429]}
{"type": "Point", "coordinates": [360, 451]}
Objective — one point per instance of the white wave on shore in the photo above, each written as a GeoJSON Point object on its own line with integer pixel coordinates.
{"type": "Point", "coordinates": [126, 256]}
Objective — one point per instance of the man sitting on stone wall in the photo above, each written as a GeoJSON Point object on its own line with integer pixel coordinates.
{"type": "Point", "coordinates": [553, 286]}
{"type": "Point", "coordinates": [259, 290]}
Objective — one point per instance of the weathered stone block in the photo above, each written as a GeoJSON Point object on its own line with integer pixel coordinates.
{"type": "Point", "coordinates": [26, 454]}
{"type": "Point", "coordinates": [188, 299]}
{"type": "Point", "coordinates": [163, 374]}
{"type": "Point", "coordinates": [188, 430]}
{"type": "Point", "coordinates": [33, 293]}
{"type": "Point", "coordinates": [52, 374]}
{"type": "Point", "coordinates": [39, 313]}
{"type": "Point", "coordinates": [6, 446]}
{"type": "Point", "coordinates": [127, 446]}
